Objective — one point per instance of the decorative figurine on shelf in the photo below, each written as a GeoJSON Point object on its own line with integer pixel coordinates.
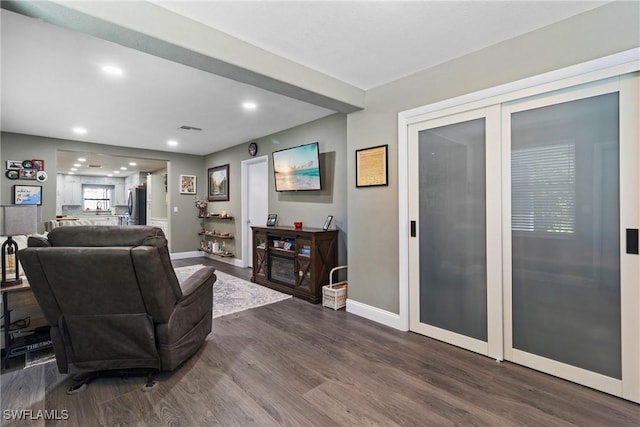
{"type": "Point", "coordinates": [223, 214]}
{"type": "Point", "coordinates": [203, 245]}
{"type": "Point", "coordinates": [201, 204]}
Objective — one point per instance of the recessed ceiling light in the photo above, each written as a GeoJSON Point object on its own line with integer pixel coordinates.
{"type": "Point", "coordinates": [74, 169]}
{"type": "Point", "coordinates": [249, 105]}
{"type": "Point", "coordinates": [79, 130]}
{"type": "Point", "coordinates": [71, 173]}
{"type": "Point", "coordinates": [172, 142]}
{"type": "Point", "coordinates": [109, 174]}
{"type": "Point", "coordinates": [82, 159]}
{"type": "Point", "coordinates": [112, 70]}
{"type": "Point", "coordinates": [122, 168]}
{"type": "Point", "coordinates": [132, 163]}
{"type": "Point", "coordinates": [77, 165]}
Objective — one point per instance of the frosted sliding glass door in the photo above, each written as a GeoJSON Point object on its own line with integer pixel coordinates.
{"type": "Point", "coordinates": [451, 263]}
{"type": "Point", "coordinates": [565, 239]}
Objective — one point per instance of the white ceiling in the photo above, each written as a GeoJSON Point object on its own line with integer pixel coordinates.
{"type": "Point", "coordinates": [370, 43]}
{"type": "Point", "coordinates": [52, 79]}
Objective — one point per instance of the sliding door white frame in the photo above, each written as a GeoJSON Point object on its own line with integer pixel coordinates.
{"type": "Point", "coordinates": [629, 218]}
{"type": "Point", "coordinates": [598, 69]}
{"type": "Point", "coordinates": [621, 65]}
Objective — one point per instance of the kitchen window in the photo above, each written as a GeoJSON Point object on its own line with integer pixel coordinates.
{"type": "Point", "coordinates": [97, 197]}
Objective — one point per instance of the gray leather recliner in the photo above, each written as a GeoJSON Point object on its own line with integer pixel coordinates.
{"type": "Point", "coordinates": [113, 300]}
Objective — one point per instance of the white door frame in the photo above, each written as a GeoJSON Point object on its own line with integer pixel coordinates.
{"type": "Point", "coordinates": [621, 64]}
{"type": "Point", "coordinates": [601, 68]}
{"type": "Point", "coordinates": [246, 237]}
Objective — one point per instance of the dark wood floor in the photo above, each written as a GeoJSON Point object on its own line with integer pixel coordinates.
{"type": "Point", "coordinates": [296, 364]}
{"type": "Point", "coordinates": [243, 273]}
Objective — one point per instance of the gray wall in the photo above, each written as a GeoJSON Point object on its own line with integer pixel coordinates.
{"type": "Point", "coordinates": [184, 228]}
{"type": "Point", "coordinates": [373, 212]}
{"type": "Point", "coordinates": [310, 207]}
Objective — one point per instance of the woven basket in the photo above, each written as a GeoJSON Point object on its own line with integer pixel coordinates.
{"type": "Point", "coordinates": [334, 295]}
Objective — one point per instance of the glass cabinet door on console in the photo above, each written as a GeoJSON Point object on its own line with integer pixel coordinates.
{"type": "Point", "coordinates": [260, 254]}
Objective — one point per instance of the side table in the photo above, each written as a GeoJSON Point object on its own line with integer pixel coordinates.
{"type": "Point", "coordinates": [23, 344]}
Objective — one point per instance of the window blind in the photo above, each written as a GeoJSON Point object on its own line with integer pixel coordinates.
{"type": "Point", "coordinates": [543, 189]}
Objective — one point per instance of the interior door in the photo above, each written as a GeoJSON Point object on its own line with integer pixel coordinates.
{"type": "Point", "coordinates": [455, 245]}
{"type": "Point", "coordinates": [257, 200]}
{"type": "Point", "coordinates": [570, 285]}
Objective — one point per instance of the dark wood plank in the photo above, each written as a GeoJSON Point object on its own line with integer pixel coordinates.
{"type": "Point", "coordinates": [293, 363]}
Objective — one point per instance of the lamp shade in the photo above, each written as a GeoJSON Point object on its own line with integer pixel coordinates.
{"type": "Point", "coordinates": [16, 220]}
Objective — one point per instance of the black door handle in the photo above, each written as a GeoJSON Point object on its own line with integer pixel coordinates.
{"type": "Point", "coordinates": [632, 241]}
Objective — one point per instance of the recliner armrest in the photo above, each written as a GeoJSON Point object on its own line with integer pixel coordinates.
{"type": "Point", "coordinates": [198, 281]}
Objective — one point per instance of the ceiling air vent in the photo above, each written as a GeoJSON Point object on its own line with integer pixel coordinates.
{"type": "Point", "coordinates": [95, 166]}
{"type": "Point", "coordinates": [187, 128]}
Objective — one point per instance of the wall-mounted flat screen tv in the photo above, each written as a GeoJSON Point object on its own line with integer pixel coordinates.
{"type": "Point", "coordinates": [297, 168]}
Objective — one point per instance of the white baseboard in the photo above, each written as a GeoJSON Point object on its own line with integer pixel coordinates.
{"type": "Point", "coordinates": [197, 254]}
{"type": "Point", "coordinates": [233, 261]}
{"type": "Point", "coordinates": [183, 255]}
{"type": "Point", "coordinates": [377, 315]}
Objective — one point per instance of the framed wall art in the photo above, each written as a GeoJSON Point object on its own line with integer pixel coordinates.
{"type": "Point", "coordinates": [187, 184]}
{"type": "Point", "coordinates": [14, 164]}
{"type": "Point", "coordinates": [371, 167]}
{"type": "Point", "coordinates": [28, 173]}
{"type": "Point", "coordinates": [218, 183]}
{"type": "Point", "coordinates": [37, 164]}
{"type": "Point", "coordinates": [27, 194]}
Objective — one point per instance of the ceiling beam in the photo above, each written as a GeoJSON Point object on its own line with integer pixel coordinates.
{"type": "Point", "coordinates": [154, 30]}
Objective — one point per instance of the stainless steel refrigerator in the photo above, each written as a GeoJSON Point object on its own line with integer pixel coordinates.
{"type": "Point", "coordinates": [137, 206]}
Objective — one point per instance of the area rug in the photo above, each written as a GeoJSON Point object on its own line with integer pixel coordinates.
{"type": "Point", "coordinates": [231, 294]}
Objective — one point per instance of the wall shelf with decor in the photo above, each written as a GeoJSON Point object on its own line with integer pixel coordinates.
{"type": "Point", "coordinates": [215, 217]}
{"type": "Point", "coordinates": [294, 261]}
{"type": "Point", "coordinates": [217, 238]}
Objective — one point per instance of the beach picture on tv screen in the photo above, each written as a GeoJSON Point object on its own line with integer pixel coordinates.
{"type": "Point", "coordinates": [297, 168]}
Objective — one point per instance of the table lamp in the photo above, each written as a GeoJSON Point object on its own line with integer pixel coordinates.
{"type": "Point", "coordinates": [15, 220]}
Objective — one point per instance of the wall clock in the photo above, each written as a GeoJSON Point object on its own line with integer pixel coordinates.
{"type": "Point", "coordinates": [253, 149]}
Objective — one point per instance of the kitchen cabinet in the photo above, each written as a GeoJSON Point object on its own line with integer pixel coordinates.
{"type": "Point", "coordinates": [160, 223]}
{"type": "Point", "coordinates": [119, 195]}
{"type": "Point", "coordinates": [72, 193]}
{"type": "Point", "coordinates": [104, 219]}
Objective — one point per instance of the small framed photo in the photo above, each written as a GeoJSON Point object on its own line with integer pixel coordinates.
{"type": "Point", "coordinates": [327, 222]}
{"type": "Point", "coordinates": [27, 194]}
{"type": "Point", "coordinates": [219, 183]}
{"type": "Point", "coordinates": [14, 164]}
{"type": "Point", "coordinates": [187, 184]}
{"type": "Point", "coordinates": [28, 173]}
{"type": "Point", "coordinates": [271, 220]}
{"type": "Point", "coordinates": [37, 164]}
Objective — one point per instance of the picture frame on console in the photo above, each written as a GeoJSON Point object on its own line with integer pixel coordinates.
{"type": "Point", "coordinates": [327, 222]}
{"type": "Point", "coordinates": [271, 220]}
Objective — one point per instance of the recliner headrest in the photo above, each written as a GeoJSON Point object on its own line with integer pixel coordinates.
{"type": "Point", "coordinates": [107, 235]}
